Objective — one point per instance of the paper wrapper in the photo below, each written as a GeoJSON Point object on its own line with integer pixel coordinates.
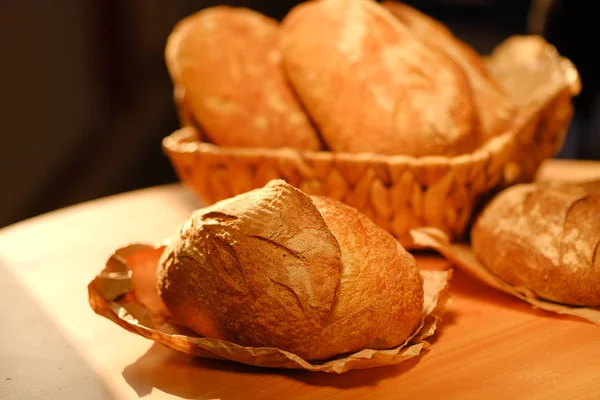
{"type": "Point", "coordinates": [462, 256]}
{"type": "Point", "coordinates": [125, 293]}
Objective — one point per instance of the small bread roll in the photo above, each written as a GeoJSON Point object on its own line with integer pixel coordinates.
{"type": "Point", "coordinates": [545, 237]}
{"type": "Point", "coordinates": [371, 86]}
{"type": "Point", "coordinates": [274, 267]}
{"type": "Point", "coordinates": [494, 107]}
{"type": "Point", "coordinates": [227, 61]}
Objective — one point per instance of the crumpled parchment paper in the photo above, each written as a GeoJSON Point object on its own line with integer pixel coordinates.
{"type": "Point", "coordinates": [125, 293]}
{"type": "Point", "coordinates": [462, 256]}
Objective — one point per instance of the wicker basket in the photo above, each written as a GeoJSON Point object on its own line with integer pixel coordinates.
{"type": "Point", "coordinates": [397, 192]}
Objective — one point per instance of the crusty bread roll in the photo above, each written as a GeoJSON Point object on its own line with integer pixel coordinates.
{"type": "Point", "coordinates": [274, 267]}
{"type": "Point", "coordinates": [371, 86]}
{"type": "Point", "coordinates": [528, 68]}
{"type": "Point", "coordinates": [228, 63]}
{"type": "Point", "coordinates": [494, 107]}
{"type": "Point", "coordinates": [545, 237]}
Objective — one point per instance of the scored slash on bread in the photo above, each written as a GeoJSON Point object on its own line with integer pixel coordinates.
{"type": "Point", "coordinates": [274, 267]}
{"type": "Point", "coordinates": [371, 86]}
{"type": "Point", "coordinates": [227, 63]}
{"type": "Point", "coordinates": [495, 109]}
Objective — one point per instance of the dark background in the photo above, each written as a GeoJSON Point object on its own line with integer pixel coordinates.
{"type": "Point", "coordinates": [85, 98]}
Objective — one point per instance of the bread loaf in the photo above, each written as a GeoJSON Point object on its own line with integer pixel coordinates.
{"type": "Point", "coordinates": [274, 267]}
{"type": "Point", "coordinates": [545, 237]}
{"type": "Point", "coordinates": [529, 68]}
{"type": "Point", "coordinates": [371, 86]}
{"type": "Point", "coordinates": [494, 108]}
{"type": "Point", "coordinates": [227, 61]}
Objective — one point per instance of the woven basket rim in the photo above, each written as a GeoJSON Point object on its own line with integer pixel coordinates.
{"type": "Point", "coordinates": [184, 140]}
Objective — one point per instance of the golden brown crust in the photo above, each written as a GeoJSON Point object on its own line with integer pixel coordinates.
{"type": "Point", "coordinates": [227, 62]}
{"type": "Point", "coordinates": [380, 297]}
{"type": "Point", "coordinates": [371, 86]}
{"type": "Point", "coordinates": [244, 265]}
{"type": "Point", "coordinates": [494, 107]}
{"type": "Point", "coordinates": [529, 69]}
{"type": "Point", "coordinates": [273, 268]}
{"type": "Point", "coordinates": [545, 237]}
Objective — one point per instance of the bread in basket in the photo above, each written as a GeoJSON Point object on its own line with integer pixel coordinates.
{"type": "Point", "coordinates": [398, 190]}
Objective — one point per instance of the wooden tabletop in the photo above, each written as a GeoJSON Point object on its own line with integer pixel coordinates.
{"type": "Point", "coordinates": [52, 345]}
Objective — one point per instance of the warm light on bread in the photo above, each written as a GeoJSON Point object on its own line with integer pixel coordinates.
{"type": "Point", "coordinates": [544, 237]}
{"type": "Point", "coordinates": [226, 65]}
{"type": "Point", "coordinates": [274, 267]}
{"type": "Point", "coordinates": [412, 122]}
{"type": "Point", "coordinates": [495, 109]}
{"type": "Point", "coordinates": [371, 86]}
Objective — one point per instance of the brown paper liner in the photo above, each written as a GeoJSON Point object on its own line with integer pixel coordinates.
{"type": "Point", "coordinates": [125, 293]}
{"type": "Point", "coordinates": [462, 256]}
